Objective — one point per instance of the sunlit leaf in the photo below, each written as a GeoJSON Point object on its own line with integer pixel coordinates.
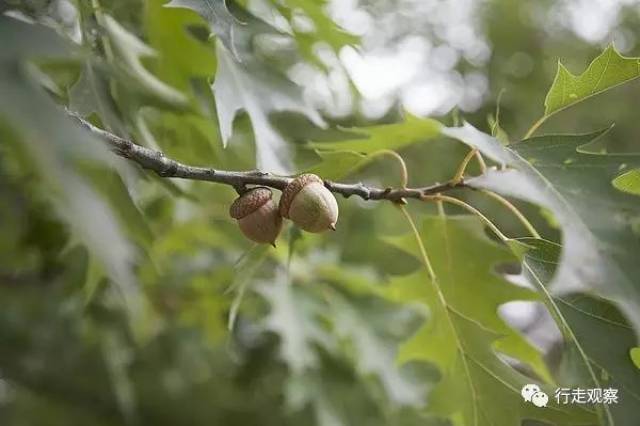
{"type": "Point", "coordinates": [386, 136]}
{"type": "Point", "coordinates": [628, 182]}
{"type": "Point", "coordinates": [608, 70]}
{"type": "Point", "coordinates": [339, 159]}
{"type": "Point", "coordinates": [634, 354]}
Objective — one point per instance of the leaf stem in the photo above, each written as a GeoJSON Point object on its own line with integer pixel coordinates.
{"type": "Point", "coordinates": [404, 174]}
{"type": "Point", "coordinates": [421, 247]}
{"type": "Point", "coordinates": [440, 207]}
{"type": "Point", "coordinates": [496, 123]}
{"type": "Point", "coordinates": [535, 127]}
{"type": "Point", "coordinates": [472, 210]}
{"type": "Point", "coordinates": [521, 217]}
{"type": "Point", "coordinates": [481, 163]}
{"type": "Point", "coordinates": [463, 165]}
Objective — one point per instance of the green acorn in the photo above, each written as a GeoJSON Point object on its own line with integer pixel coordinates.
{"type": "Point", "coordinates": [309, 204]}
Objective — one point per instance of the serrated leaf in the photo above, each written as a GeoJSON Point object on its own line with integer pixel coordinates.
{"type": "Point", "coordinates": [91, 94]}
{"type": "Point", "coordinates": [365, 330]}
{"type": "Point", "coordinates": [129, 51]}
{"type": "Point", "coordinates": [181, 57]}
{"type": "Point", "coordinates": [258, 92]}
{"type": "Point", "coordinates": [464, 329]}
{"type": "Point", "coordinates": [217, 15]}
{"type": "Point", "coordinates": [608, 70]}
{"type": "Point", "coordinates": [364, 322]}
{"type": "Point", "coordinates": [586, 323]}
{"type": "Point", "coordinates": [245, 82]}
{"type": "Point", "coordinates": [599, 223]}
{"type": "Point", "coordinates": [292, 318]}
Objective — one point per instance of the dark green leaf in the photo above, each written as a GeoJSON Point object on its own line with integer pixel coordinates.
{"type": "Point", "coordinates": [586, 322]}
{"type": "Point", "coordinates": [599, 223]}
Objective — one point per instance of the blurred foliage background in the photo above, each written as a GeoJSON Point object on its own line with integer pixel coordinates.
{"type": "Point", "coordinates": [130, 299]}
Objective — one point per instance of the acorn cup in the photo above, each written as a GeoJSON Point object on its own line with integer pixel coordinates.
{"type": "Point", "coordinates": [258, 215]}
{"type": "Point", "coordinates": [309, 204]}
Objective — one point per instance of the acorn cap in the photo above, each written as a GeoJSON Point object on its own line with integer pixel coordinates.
{"type": "Point", "coordinates": [249, 202]}
{"type": "Point", "coordinates": [293, 188]}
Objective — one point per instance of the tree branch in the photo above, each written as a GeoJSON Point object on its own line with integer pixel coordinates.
{"type": "Point", "coordinates": [166, 167]}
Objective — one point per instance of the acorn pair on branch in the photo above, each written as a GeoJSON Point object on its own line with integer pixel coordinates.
{"type": "Point", "coordinates": [305, 201]}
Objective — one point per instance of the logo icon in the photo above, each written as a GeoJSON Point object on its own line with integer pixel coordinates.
{"type": "Point", "coordinates": [540, 399]}
{"type": "Point", "coordinates": [532, 393]}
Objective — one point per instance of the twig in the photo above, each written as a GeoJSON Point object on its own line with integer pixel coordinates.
{"type": "Point", "coordinates": [166, 167]}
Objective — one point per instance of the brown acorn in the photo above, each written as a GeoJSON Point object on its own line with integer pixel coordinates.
{"type": "Point", "coordinates": [309, 204]}
{"type": "Point", "coordinates": [257, 215]}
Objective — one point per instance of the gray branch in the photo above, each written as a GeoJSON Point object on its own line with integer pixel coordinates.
{"type": "Point", "coordinates": [166, 167]}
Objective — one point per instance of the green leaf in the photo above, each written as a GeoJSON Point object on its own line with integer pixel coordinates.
{"type": "Point", "coordinates": [338, 165]}
{"type": "Point", "coordinates": [292, 318]}
{"type": "Point", "coordinates": [246, 82]}
{"type": "Point", "coordinates": [91, 94]}
{"type": "Point", "coordinates": [634, 354]}
{"type": "Point", "coordinates": [599, 223]}
{"type": "Point", "coordinates": [58, 148]}
{"type": "Point", "coordinates": [586, 323]}
{"type": "Point", "coordinates": [181, 57]}
{"type": "Point", "coordinates": [245, 269]}
{"type": "Point", "coordinates": [385, 136]}
{"type": "Point", "coordinates": [364, 330]}
{"type": "Point", "coordinates": [340, 159]}
{"type": "Point", "coordinates": [628, 182]}
{"type": "Point", "coordinates": [217, 15]}
{"type": "Point", "coordinates": [324, 28]}
{"type": "Point", "coordinates": [258, 92]}
{"type": "Point", "coordinates": [369, 324]}
{"type": "Point", "coordinates": [608, 70]}
{"type": "Point", "coordinates": [129, 51]}
{"type": "Point", "coordinates": [464, 330]}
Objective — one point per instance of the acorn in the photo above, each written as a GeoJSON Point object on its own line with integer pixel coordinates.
{"type": "Point", "coordinates": [309, 204]}
{"type": "Point", "coordinates": [257, 215]}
